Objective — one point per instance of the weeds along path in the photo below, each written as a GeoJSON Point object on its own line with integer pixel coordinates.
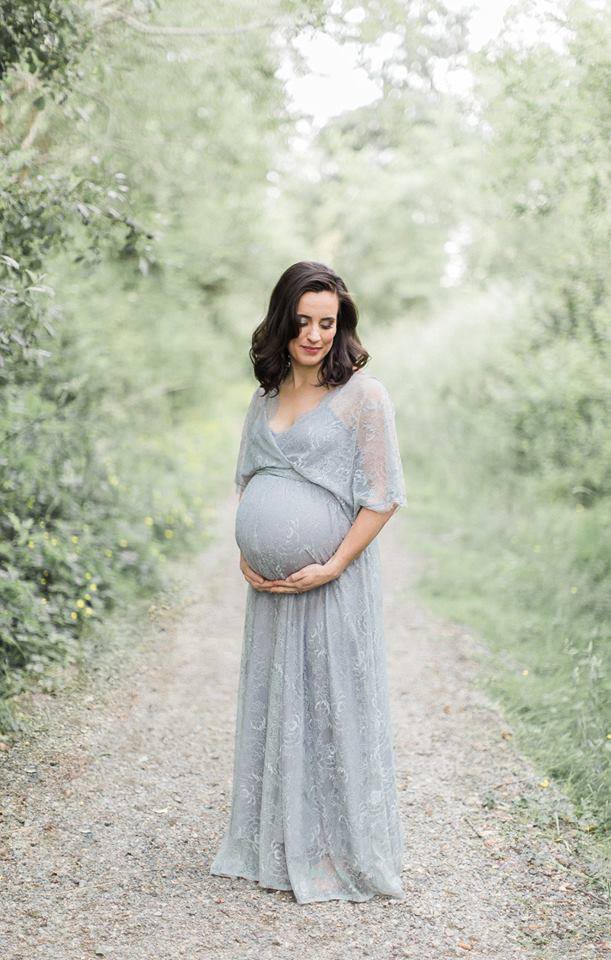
{"type": "Point", "coordinates": [113, 810]}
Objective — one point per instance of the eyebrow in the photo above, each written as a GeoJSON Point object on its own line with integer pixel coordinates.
{"type": "Point", "coordinates": [308, 317]}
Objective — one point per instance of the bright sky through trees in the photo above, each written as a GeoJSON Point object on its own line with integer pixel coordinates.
{"type": "Point", "coordinates": [336, 82]}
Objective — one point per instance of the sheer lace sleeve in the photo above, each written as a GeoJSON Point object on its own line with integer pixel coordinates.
{"type": "Point", "coordinates": [242, 470]}
{"type": "Point", "coordinates": [378, 481]}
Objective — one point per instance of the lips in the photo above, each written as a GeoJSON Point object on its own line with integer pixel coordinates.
{"type": "Point", "coordinates": [311, 349]}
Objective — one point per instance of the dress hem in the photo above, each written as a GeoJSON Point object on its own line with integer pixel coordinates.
{"type": "Point", "coordinates": [317, 899]}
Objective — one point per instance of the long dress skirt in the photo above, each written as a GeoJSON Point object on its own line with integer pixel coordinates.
{"type": "Point", "coordinates": [314, 803]}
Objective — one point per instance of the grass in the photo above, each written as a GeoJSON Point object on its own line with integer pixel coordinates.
{"type": "Point", "coordinates": [523, 575]}
{"type": "Point", "coordinates": [493, 447]}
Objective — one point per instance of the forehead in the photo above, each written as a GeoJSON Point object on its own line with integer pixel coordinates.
{"type": "Point", "coordinates": [318, 303]}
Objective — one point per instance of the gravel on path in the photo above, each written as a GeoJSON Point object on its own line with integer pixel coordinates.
{"type": "Point", "coordinates": [113, 810]}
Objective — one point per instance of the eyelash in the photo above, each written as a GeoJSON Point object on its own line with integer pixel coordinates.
{"type": "Point", "coordinates": [327, 327]}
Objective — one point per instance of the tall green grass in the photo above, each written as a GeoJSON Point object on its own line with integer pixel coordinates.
{"type": "Point", "coordinates": [506, 454]}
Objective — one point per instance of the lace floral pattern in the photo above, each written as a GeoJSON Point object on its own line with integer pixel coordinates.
{"type": "Point", "coordinates": [314, 803]}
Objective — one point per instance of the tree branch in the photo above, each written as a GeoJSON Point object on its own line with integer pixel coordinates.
{"type": "Point", "coordinates": [194, 31]}
{"type": "Point", "coordinates": [35, 121]}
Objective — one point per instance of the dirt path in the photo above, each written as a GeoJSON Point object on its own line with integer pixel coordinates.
{"type": "Point", "coordinates": [113, 812]}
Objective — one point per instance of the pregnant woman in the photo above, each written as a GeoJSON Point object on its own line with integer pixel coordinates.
{"type": "Point", "coordinates": [314, 805]}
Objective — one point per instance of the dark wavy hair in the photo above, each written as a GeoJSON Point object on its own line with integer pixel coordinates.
{"type": "Point", "coordinates": [269, 353]}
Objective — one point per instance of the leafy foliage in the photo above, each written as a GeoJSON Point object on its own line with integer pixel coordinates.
{"type": "Point", "coordinates": [44, 37]}
{"type": "Point", "coordinates": [91, 345]}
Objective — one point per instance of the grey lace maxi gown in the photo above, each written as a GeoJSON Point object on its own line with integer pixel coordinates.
{"type": "Point", "coordinates": [314, 804]}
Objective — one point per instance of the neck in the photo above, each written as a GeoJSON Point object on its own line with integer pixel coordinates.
{"type": "Point", "coordinates": [302, 376]}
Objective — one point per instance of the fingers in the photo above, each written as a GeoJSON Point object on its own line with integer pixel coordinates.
{"type": "Point", "coordinates": [276, 586]}
{"type": "Point", "coordinates": [254, 578]}
{"type": "Point", "coordinates": [287, 586]}
{"type": "Point", "coordinates": [296, 583]}
{"type": "Point", "coordinates": [279, 589]}
{"type": "Point", "coordinates": [269, 586]}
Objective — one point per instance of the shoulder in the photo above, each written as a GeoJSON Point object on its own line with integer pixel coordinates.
{"type": "Point", "coordinates": [363, 403]}
{"type": "Point", "coordinates": [368, 388]}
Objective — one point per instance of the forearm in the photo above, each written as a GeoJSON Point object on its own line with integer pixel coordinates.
{"type": "Point", "coordinates": [367, 525]}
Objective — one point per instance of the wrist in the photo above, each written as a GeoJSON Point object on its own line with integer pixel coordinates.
{"type": "Point", "coordinates": [334, 567]}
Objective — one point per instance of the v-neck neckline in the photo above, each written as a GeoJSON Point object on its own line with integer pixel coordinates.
{"type": "Point", "coordinates": [281, 433]}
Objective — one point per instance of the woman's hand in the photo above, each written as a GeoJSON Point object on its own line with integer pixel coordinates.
{"type": "Point", "coordinates": [255, 579]}
{"type": "Point", "coordinates": [314, 575]}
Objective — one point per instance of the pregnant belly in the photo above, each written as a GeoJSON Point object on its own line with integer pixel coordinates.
{"type": "Point", "coordinates": [283, 524]}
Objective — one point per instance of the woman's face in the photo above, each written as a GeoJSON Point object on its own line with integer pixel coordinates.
{"type": "Point", "coordinates": [317, 318]}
